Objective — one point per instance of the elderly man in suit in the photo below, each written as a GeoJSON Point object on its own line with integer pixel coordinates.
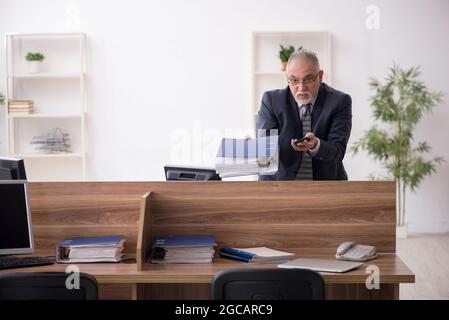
{"type": "Point", "coordinates": [310, 109]}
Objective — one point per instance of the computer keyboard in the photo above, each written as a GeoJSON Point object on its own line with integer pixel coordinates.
{"type": "Point", "coordinates": [15, 262]}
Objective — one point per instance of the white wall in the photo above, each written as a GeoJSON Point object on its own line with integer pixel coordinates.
{"type": "Point", "coordinates": [160, 68]}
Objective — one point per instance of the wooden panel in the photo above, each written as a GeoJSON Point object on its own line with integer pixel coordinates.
{"type": "Point", "coordinates": [50, 190]}
{"type": "Point", "coordinates": [202, 291]}
{"type": "Point", "coordinates": [360, 292]}
{"type": "Point", "coordinates": [303, 217]}
{"type": "Point", "coordinates": [272, 208]}
{"type": "Point", "coordinates": [115, 291]}
{"type": "Point", "coordinates": [71, 209]}
{"type": "Point", "coordinates": [297, 238]}
{"type": "Point", "coordinates": [173, 291]}
{"type": "Point", "coordinates": [310, 216]}
{"type": "Point", "coordinates": [144, 237]}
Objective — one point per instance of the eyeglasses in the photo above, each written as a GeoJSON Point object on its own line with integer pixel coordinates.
{"type": "Point", "coordinates": [307, 80]}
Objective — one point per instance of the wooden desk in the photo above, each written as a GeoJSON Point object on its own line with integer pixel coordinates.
{"type": "Point", "coordinates": [307, 218]}
{"type": "Point", "coordinates": [338, 285]}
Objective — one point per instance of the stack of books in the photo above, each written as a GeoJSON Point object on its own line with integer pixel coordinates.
{"type": "Point", "coordinates": [241, 157]}
{"type": "Point", "coordinates": [90, 249]}
{"type": "Point", "coordinates": [183, 249]}
{"type": "Point", "coordinates": [20, 106]}
{"type": "Point", "coordinates": [255, 255]}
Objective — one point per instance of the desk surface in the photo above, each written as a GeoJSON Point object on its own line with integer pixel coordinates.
{"type": "Point", "coordinates": [392, 270]}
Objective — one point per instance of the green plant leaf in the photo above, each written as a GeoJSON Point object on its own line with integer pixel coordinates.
{"type": "Point", "coordinates": [37, 56]}
{"type": "Point", "coordinates": [398, 104]}
{"type": "Point", "coordinates": [285, 52]}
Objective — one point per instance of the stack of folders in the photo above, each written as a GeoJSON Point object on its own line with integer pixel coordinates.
{"type": "Point", "coordinates": [183, 249]}
{"type": "Point", "coordinates": [240, 157]}
{"type": "Point", "coordinates": [90, 249]}
{"type": "Point", "coordinates": [255, 255]}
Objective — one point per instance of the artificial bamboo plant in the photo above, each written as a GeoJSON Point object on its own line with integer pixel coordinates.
{"type": "Point", "coordinates": [398, 106]}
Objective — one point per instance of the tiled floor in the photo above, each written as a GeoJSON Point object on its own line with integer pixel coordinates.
{"type": "Point", "coordinates": [428, 257]}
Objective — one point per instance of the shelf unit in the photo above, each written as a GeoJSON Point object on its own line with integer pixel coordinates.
{"type": "Point", "coordinates": [266, 65]}
{"type": "Point", "coordinates": [59, 95]}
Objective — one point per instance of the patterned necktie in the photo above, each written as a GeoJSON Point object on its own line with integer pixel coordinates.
{"type": "Point", "coordinates": [305, 170]}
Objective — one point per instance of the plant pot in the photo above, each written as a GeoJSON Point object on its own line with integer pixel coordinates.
{"type": "Point", "coordinates": [33, 66]}
{"type": "Point", "coordinates": [401, 232]}
{"type": "Point", "coordinates": [283, 65]}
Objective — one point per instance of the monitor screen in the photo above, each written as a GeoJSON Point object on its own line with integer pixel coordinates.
{"type": "Point", "coordinates": [12, 169]}
{"type": "Point", "coordinates": [15, 218]}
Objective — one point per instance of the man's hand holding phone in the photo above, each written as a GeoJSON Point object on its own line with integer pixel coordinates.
{"type": "Point", "coordinates": [306, 143]}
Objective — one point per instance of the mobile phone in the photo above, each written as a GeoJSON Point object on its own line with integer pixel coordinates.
{"type": "Point", "coordinates": [302, 139]}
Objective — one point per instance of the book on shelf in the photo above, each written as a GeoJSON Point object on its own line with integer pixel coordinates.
{"type": "Point", "coordinates": [20, 102]}
{"type": "Point", "coordinates": [20, 106]}
{"type": "Point", "coordinates": [255, 255]}
{"type": "Point", "coordinates": [183, 249]}
{"type": "Point", "coordinates": [90, 249]}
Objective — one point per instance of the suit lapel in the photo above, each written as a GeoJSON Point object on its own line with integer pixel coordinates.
{"type": "Point", "coordinates": [294, 111]}
{"type": "Point", "coordinates": [318, 106]}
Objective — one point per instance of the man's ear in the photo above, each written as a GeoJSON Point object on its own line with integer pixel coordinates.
{"type": "Point", "coordinates": [321, 75]}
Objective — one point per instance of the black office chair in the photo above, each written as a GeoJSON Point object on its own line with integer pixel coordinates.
{"type": "Point", "coordinates": [268, 284]}
{"type": "Point", "coordinates": [46, 286]}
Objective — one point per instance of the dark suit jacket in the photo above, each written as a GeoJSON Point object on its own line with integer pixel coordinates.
{"type": "Point", "coordinates": [331, 123]}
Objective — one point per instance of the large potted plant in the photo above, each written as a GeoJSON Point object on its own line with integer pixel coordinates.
{"type": "Point", "coordinates": [34, 61]}
{"type": "Point", "coordinates": [398, 106]}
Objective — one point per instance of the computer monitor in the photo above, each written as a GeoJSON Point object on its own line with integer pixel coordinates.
{"type": "Point", "coordinates": [12, 169]}
{"type": "Point", "coordinates": [182, 173]}
{"type": "Point", "coordinates": [16, 234]}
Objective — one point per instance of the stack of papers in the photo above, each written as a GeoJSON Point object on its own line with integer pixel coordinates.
{"type": "Point", "coordinates": [241, 157]}
{"type": "Point", "coordinates": [184, 249]}
{"type": "Point", "coordinates": [255, 255]}
{"type": "Point", "coordinates": [90, 249]}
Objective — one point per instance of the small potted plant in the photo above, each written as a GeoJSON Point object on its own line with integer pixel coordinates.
{"type": "Point", "coordinates": [34, 60]}
{"type": "Point", "coordinates": [284, 54]}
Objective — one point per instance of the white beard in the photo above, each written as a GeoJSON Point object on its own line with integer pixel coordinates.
{"type": "Point", "coordinates": [303, 101]}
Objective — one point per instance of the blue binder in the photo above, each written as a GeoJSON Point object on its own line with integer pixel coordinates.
{"type": "Point", "coordinates": [184, 241]}
{"type": "Point", "coordinates": [111, 242]}
{"type": "Point", "coordinates": [183, 249]}
{"type": "Point", "coordinates": [92, 241]}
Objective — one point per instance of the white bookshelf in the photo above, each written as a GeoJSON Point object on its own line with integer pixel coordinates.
{"type": "Point", "coordinates": [48, 115]}
{"type": "Point", "coordinates": [61, 155]}
{"type": "Point", "coordinates": [266, 65]}
{"type": "Point", "coordinates": [47, 75]}
{"type": "Point", "coordinates": [59, 95]}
